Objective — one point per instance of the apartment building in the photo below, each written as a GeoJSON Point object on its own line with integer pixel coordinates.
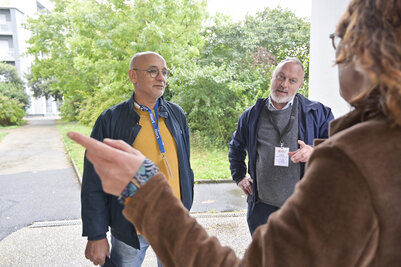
{"type": "Point", "coordinates": [13, 37]}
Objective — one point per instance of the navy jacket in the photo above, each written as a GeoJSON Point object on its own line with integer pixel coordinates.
{"type": "Point", "coordinates": [313, 121]}
{"type": "Point", "coordinates": [100, 210]}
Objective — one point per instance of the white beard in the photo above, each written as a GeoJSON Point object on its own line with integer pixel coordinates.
{"type": "Point", "coordinates": [280, 100]}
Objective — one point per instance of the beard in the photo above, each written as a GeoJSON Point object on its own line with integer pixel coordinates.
{"type": "Point", "coordinates": [280, 99]}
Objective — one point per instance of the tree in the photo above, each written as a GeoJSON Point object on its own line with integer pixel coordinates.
{"type": "Point", "coordinates": [13, 99]}
{"type": "Point", "coordinates": [41, 87]}
{"type": "Point", "coordinates": [84, 47]}
{"type": "Point", "coordinates": [258, 41]}
{"type": "Point", "coordinates": [11, 84]}
{"type": "Point", "coordinates": [11, 111]}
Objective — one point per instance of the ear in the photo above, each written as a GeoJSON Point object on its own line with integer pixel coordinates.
{"type": "Point", "coordinates": [132, 76]}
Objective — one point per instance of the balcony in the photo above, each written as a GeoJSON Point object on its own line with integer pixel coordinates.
{"type": "Point", "coordinates": [6, 29]}
{"type": "Point", "coordinates": [7, 55]}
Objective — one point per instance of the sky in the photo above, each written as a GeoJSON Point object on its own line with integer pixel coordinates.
{"type": "Point", "coordinates": [237, 9]}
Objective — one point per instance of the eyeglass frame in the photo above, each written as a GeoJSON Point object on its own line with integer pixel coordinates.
{"type": "Point", "coordinates": [333, 37]}
{"type": "Point", "coordinates": [155, 72]}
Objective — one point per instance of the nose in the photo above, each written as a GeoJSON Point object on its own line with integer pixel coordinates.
{"type": "Point", "coordinates": [285, 83]}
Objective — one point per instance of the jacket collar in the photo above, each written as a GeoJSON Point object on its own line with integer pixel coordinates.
{"type": "Point", "coordinates": [340, 124]}
{"type": "Point", "coordinates": [345, 122]}
{"type": "Point", "coordinates": [162, 105]}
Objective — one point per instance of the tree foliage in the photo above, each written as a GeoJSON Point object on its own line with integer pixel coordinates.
{"type": "Point", "coordinates": [11, 84]}
{"type": "Point", "coordinates": [208, 95]}
{"type": "Point", "coordinates": [259, 42]}
{"type": "Point", "coordinates": [11, 111]}
{"type": "Point", "coordinates": [84, 47]}
{"type": "Point", "coordinates": [41, 88]}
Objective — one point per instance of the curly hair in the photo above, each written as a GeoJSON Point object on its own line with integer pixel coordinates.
{"type": "Point", "coordinates": [371, 34]}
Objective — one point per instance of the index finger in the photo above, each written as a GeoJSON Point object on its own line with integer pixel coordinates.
{"type": "Point", "coordinates": [94, 146]}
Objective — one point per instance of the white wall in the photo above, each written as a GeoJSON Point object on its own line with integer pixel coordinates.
{"type": "Point", "coordinates": [323, 76]}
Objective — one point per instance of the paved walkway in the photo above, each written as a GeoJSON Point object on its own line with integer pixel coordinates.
{"type": "Point", "coordinates": [40, 211]}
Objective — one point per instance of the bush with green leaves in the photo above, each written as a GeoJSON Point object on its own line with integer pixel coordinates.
{"type": "Point", "coordinates": [11, 111]}
{"type": "Point", "coordinates": [213, 99]}
{"type": "Point", "coordinates": [11, 84]}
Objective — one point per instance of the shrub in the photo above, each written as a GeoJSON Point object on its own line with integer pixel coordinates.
{"type": "Point", "coordinates": [11, 84]}
{"type": "Point", "coordinates": [11, 111]}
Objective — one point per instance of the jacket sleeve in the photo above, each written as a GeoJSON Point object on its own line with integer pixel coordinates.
{"type": "Point", "coordinates": [325, 118]}
{"type": "Point", "coordinates": [94, 202]}
{"type": "Point", "coordinates": [237, 150]}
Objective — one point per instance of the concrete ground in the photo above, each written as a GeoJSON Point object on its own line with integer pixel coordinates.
{"type": "Point", "coordinates": [39, 203]}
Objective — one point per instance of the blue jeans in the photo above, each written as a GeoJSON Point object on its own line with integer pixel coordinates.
{"type": "Point", "coordinates": [258, 215]}
{"type": "Point", "coordinates": [124, 255]}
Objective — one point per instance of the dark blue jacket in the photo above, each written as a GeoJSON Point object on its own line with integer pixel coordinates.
{"type": "Point", "coordinates": [101, 210]}
{"type": "Point", "coordinates": [313, 121]}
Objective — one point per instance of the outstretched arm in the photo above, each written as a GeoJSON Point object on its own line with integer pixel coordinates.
{"type": "Point", "coordinates": [311, 222]}
{"type": "Point", "coordinates": [116, 163]}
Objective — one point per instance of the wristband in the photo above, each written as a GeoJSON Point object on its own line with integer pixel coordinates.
{"type": "Point", "coordinates": [147, 170]}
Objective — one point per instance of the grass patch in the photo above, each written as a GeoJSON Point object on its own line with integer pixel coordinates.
{"type": "Point", "coordinates": [4, 130]}
{"type": "Point", "coordinates": [2, 135]}
{"type": "Point", "coordinates": [207, 163]}
{"type": "Point", "coordinates": [210, 163]}
{"type": "Point", "coordinates": [76, 151]}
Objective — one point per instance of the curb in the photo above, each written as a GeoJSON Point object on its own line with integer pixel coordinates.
{"type": "Point", "coordinates": [219, 181]}
{"type": "Point", "coordinates": [77, 173]}
{"type": "Point", "coordinates": [197, 215]}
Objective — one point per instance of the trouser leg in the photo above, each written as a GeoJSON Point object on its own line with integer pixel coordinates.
{"type": "Point", "coordinates": [258, 214]}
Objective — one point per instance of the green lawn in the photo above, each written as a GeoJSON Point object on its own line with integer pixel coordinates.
{"type": "Point", "coordinates": [207, 164]}
{"type": "Point", "coordinates": [76, 151]}
{"type": "Point", "coordinates": [2, 135]}
{"type": "Point", "coordinates": [210, 164]}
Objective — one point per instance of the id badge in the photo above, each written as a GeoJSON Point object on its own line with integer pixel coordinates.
{"type": "Point", "coordinates": [281, 157]}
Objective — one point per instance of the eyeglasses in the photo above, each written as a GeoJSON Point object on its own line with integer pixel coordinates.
{"type": "Point", "coordinates": [335, 40]}
{"type": "Point", "coordinates": [154, 73]}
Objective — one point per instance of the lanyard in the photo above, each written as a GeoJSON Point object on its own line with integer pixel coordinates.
{"type": "Point", "coordinates": [155, 124]}
{"type": "Point", "coordinates": [289, 124]}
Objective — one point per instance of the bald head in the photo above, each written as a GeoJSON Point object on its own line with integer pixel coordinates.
{"type": "Point", "coordinates": [138, 58]}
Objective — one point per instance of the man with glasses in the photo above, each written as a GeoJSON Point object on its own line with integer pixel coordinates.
{"type": "Point", "coordinates": [277, 133]}
{"type": "Point", "coordinates": [157, 128]}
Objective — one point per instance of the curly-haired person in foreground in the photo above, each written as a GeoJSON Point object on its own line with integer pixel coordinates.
{"type": "Point", "coordinates": [346, 211]}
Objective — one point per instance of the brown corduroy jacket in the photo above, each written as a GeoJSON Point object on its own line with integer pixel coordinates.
{"type": "Point", "coordinates": [346, 211]}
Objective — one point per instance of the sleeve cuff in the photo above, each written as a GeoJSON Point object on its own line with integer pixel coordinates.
{"type": "Point", "coordinates": [147, 170]}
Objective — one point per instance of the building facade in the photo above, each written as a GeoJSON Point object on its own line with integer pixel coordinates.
{"type": "Point", "coordinates": [13, 46]}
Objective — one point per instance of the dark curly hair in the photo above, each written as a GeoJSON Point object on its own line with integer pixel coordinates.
{"type": "Point", "coordinates": [371, 35]}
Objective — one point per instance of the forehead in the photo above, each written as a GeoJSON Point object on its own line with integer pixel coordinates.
{"type": "Point", "coordinates": [290, 69]}
{"type": "Point", "coordinates": [150, 60]}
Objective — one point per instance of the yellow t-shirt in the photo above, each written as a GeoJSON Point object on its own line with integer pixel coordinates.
{"type": "Point", "coordinates": [146, 142]}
